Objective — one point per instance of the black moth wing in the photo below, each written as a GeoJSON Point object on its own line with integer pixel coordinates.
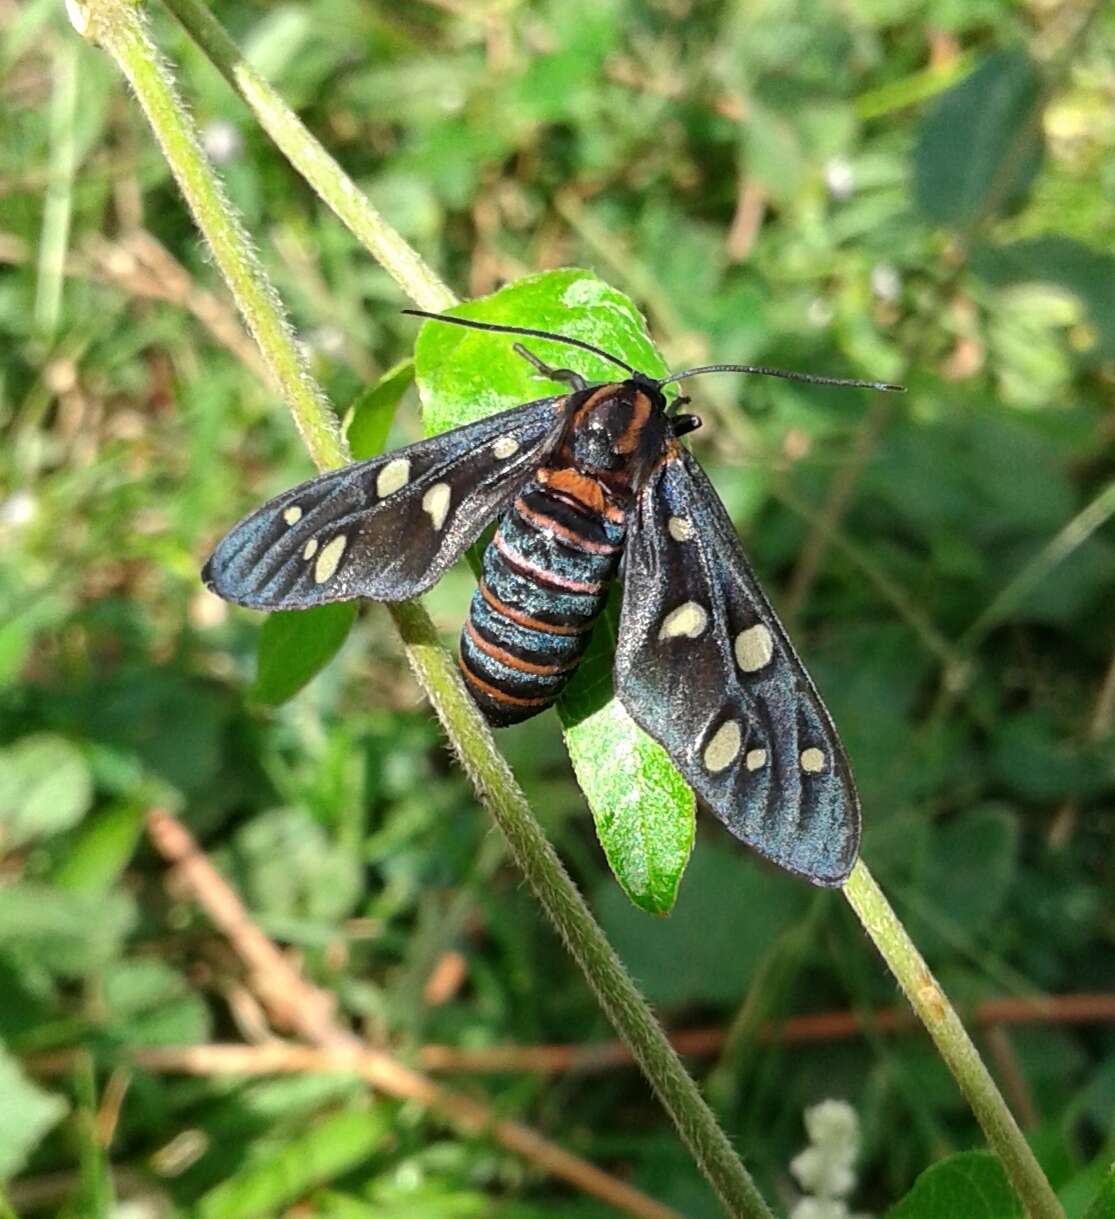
{"type": "Point", "coordinates": [387, 528]}
{"type": "Point", "coordinates": [704, 666]}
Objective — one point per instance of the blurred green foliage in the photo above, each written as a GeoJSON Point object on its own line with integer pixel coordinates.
{"type": "Point", "coordinates": [918, 191]}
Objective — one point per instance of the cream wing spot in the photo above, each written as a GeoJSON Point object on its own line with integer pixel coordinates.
{"type": "Point", "coordinates": [292, 515]}
{"type": "Point", "coordinates": [330, 557]}
{"type": "Point", "coordinates": [310, 549]}
{"type": "Point", "coordinates": [812, 760]}
{"type": "Point", "coordinates": [756, 759]}
{"type": "Point", "coordinates": [681, 528]}
{"type": "Point", "coordinates": [394, 475]}
{"type": "Point", "coordinates": [754, 648]}
{"type": "Point", "coordinates": [723, 747]}
{"type": "Point", "coordinates": [436, 503]}
{"type": "Point", "coordinates": [504, 447]}
{"type": "Point", "coordinates": [689, 619]}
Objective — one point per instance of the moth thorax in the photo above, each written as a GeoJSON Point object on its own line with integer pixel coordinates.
{"type": "Point", "coordinates": [602, 436]}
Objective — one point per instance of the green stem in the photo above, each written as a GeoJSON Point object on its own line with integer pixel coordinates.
{"type": "Point", "coordinates": [932, 1006]}
{"type": "Point", "coordinates": [57, 206]}
{"type": "Point", "coordinates": [116, 25]}
{"type": "Point", "coordinates": [387, 247]}
{"type": "Point", "coordinates": [1093, 516]}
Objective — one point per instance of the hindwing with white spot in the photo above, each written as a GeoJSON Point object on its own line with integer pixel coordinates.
{"type": "Point", "coordinates": [387, 528]}
{"type": "Point", "coordinates": [704, 666]}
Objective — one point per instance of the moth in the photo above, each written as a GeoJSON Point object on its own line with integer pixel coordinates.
{"type": "Point", "coordinates": [582, 483]}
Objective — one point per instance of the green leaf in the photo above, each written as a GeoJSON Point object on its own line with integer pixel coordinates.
{"type": "Point", "coordinates": [25, 1116]}
{"type": "Point", "coordinates": [726, 890]}
{"type": "Point", "coordinates": [67, 933]}
{"type": "Point", "coordinates": [638, 800]}
{"type": "Point", "coordinates": [1031, 756]}
{"type": "Point", "coordinates": [980, 147]}
{"type": "Point", "coordinates": [145, 1003]}
{"type": "Point", "coordinates": [645, 812]}
{"type": "Point", "coordinates": [101, 849]}
{"type": "Point", "coordinates": [465, 375]}
{"type": "Point", "coordinates": [295, 645]}
{"type": "Point", "coordinates": [287, 1173]}
{"type": "Point", "coordinates": [45, 787]}
{"type": "Point", "coordinates": [1103, 1205]}
{"type": "Point", "coordinates": [284, 863]}
{"type": "Point", "coordinates": [374, 409]}
{"type": "Point", "coordinates": [428, 1200]}
{"type": "Point", "coordinates": [1089, 274]}
{"type": "Point", "coordinates": [1090, 1192]}
{"type": "Point", "coordinates": [974, 860]}
{"type": "Point", "coordinates": [972, 1184]}
{"type": "Point", "coordinates": [643, 809]}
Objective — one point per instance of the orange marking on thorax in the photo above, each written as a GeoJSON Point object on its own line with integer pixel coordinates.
{"type": "Point", "coordinates": [640, 414]}
{"type": "Point", "coordinates": [585, 490]}
{"type": "Point", "coordinates": [589, 404]}
{"type": "Point", "coordinates": [581, 489]}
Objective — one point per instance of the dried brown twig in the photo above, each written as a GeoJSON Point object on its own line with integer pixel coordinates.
{"type": "Point", "coordinates": [817, 1027]}
{"type": "Point", "coordinates": [308, 1010]}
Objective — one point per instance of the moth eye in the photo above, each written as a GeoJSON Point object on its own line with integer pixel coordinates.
{"type": "Point", "coordinates": [754, 648]}
{"type": "Point", "coordinates": [329, 558]}
{"type": "Point", "coordinates": [723, 747]}
{"type": "Point", "coordinates": [394, 475]}
{"type": "Point", "coordinates": [812, 760]}
{"type": "Point", "coordinates": [689, 619]}
{"type": "Point", "coordinates": [292, 515]}
{"type": "Point", "coordinates": [435, 503]}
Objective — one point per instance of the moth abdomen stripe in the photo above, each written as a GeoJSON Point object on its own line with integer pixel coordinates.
{"type": "Point", "coordinates": [499, 707]}
{"type": "Point", "coordinates": [509, 677]}
{"type": "Point", "coordinates": [548, 607]}
{"type": "Point", "coordinates": [533, 647]}
{"type": "Point", "coordinates": [576, 535]}
{"type": "Point", "coordinates": [513, 660]}
{"type": "Point", "coordinates": [544, 576]}
{"type": "Point", "coordinates": [537, 625]}
{"type": "Point", "coordinates": [542, 590]}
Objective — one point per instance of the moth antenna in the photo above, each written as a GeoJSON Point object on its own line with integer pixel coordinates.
{"type": "Point", "coordinates": [810, 378]}
{"type": "Point", "coordinates": [501, 328]}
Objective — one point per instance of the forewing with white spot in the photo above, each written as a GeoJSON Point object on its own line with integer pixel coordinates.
{"type": "Point", "coordinates": [387, 528]}
{"type": "Point", "coordinates": [704, 666]}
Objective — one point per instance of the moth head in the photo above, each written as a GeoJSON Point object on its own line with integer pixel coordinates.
{"type": "Point", "coordinates": [614, 421]}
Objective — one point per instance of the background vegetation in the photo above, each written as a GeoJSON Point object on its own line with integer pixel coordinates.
{"type": "Point", "coordinates": [917, 192]}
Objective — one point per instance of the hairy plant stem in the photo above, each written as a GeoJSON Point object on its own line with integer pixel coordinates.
{"type": "Point", "coordinates": [961, 1057]}
{"type": "Point", "coordinates": [400, 260]}
{"type": "Point", "coordinates": [116, 25]}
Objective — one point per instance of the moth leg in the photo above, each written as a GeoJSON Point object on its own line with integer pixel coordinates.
{"type": "Point", "coordinates": [553, 374]}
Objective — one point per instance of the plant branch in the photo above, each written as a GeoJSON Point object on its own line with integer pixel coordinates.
{"type": "Point", "coordinates": [405, 266]}
{"type": "Point", "coordinates": [116, 25]}
{"type": "Point", "coordinates": [943, 1024]}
